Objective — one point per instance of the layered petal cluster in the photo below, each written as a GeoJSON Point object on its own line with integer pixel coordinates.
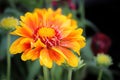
{"type": "Point", "coordinates": [49, 36]}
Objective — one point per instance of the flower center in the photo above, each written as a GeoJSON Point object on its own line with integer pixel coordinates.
{"type": "Point", "coordinates": [46, 32]}
{"type": "Point", "coordinates": [49, 36]}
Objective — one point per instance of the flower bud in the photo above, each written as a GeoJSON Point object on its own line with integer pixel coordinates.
{"type": "Point", "coordinates": [100, 43]}
{"type": "Point", "coordinates": [9, 23]}
{"type": "Point", "coordinates": [103, 59]}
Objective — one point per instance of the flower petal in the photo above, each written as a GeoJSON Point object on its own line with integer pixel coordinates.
{"type": "Point", "coordinates": [74, 45]}
{"type": "Point", "coordinates": [82, 43]}
{"type": "Point", "coordinates": [72, 60]}
{"type": "Point", "coordinates": [33, 53]}
{"type": "Point", "coordinates": [66, 28]}
{"type": "Point", "coordinates": [75, 35]}
{"type": "Point", "coordinates": [23, 56]}
{"type": "Point", "coordinates": [31, 20]}
{"type": "Point", "coordinates": [38, 43]}
{"type": "Point", "coordinates": [20, 45]}
{"type": "Point", "coordinates": [22, 31]}
{"type": "Point", "coordinates": [45, 58]}
{"type": "Point", "coordinates": [14, 47]}
{"type": "Point", "coordinates": [59, 51]}
{"type": "Point", "coordinates": [74, 40]}
{"type": "Point", "coordinates": [55, 56]}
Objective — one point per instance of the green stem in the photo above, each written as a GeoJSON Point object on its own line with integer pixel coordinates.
{"type": "Point", "coordinates": [82, 9]}
{"type": "Point", "coordinates": [45, 72]}
{"type": "Point", "coordinates": [52, 73]}
{"type": "Point", "coordinates": [82, 13]}
{"type": "Point", "coordinates": [70, 74]}
{"type": "Point", "coordinates": [8, 57]}
{"type": "Point", "coordinates": [100, 74]}
{"type": "Point", "coordinates": [52, 76]}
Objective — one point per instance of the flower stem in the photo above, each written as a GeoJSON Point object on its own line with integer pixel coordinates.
{"type": "Point", "coordinates": [100, 74]}
{"type": "Point", "coordinates": [52, 72]}
{"type": "Point", "coordinates": [82, 12]}
{"type": "Point", "coordinates": [8, 57]}
{"type": "Point", "coordinates": [70, 74]}
{"type": "Point", "coordinates": [45, 72]}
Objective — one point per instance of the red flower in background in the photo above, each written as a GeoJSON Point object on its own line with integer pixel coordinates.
{"type": "Point", "coordinates": [56, 3]}
{"type": "Point", "coordinates": [72, 6]}
{"type": "Point", "coordinates": [100, 43]}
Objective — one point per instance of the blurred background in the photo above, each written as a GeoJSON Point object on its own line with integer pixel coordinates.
{"type": "Point", "coordinates": [105, 14]}
{"type": "Point", "coordinates": [102, 16]}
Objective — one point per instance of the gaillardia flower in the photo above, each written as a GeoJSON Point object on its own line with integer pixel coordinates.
{"type": "Point", "coordinates": [49, 36]}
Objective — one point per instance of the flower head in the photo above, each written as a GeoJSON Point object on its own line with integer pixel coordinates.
{"type": "Point", "coordinates": [49, 36]}
{"type": "Point", "coordinates": [103, 59]}
{"type": "Point", "coordinates": [9, 22]}
{"type": "Point", "coordinates": [100, 43]}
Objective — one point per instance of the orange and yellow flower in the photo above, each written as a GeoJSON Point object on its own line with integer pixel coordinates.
{"type": "Point", "coordinates": [49, 36]}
